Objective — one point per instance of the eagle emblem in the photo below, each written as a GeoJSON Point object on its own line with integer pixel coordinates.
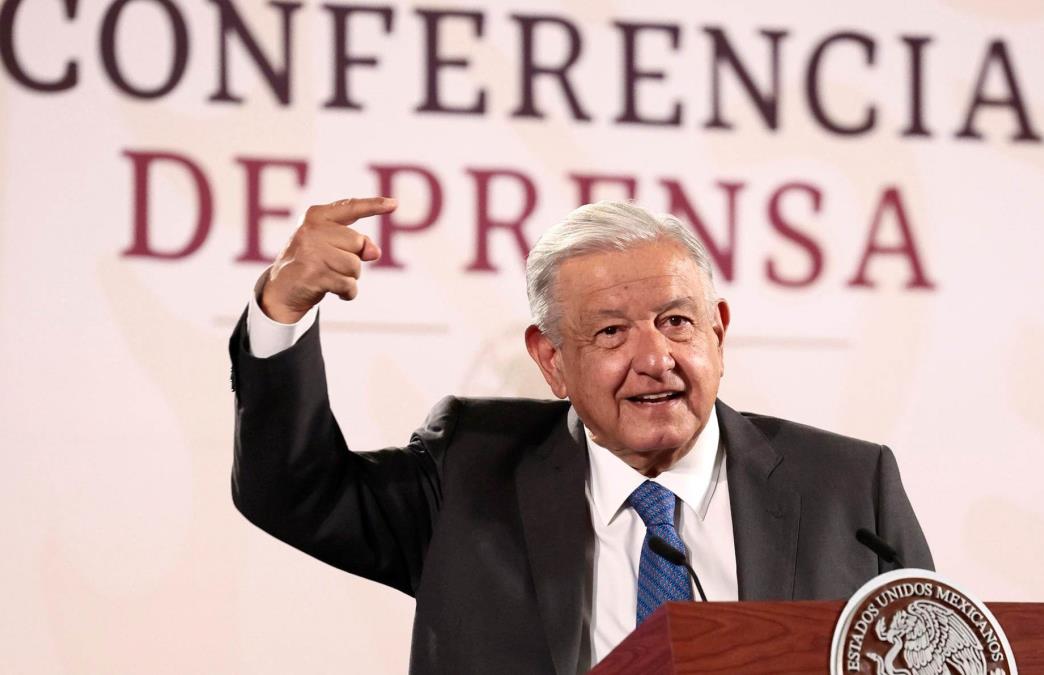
{"type": "Point", "coordinates": [914, 622]}
{"type": "Point", "coordinates": [932, 639]}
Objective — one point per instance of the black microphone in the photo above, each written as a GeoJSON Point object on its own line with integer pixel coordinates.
{"type": "Point", "coordinates": [675, 557]}
{"type": "Point", "coordinates": [878, 546]}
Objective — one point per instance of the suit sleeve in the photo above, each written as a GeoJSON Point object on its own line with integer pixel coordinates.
{"type": "Point", "coordinates": [371, 514]}
{"type": "Point", "coordinates": [896, 522]}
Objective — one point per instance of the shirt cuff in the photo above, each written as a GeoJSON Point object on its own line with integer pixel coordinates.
{"type": "Point", "coordinates": [269, 337]}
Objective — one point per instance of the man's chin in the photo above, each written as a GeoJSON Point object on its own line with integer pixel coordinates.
{"type": "Point", "coordinates": [669, 434]}
{"type": "Point", "coordinates": [651, 457]}
{"type": "Point", "coordinates": [664, 445]}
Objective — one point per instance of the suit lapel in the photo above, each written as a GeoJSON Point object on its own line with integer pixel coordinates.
{"type": "Point", "coordinates": [557, 526]}
{"type": "Point", "coordinates": [765, 512]}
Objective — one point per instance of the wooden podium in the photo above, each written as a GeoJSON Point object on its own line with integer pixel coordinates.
{"type": "Point", "coordinates": [774, 637]}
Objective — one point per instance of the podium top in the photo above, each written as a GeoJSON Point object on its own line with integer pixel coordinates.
{"type": "Point", "coordinates": [777, 637]}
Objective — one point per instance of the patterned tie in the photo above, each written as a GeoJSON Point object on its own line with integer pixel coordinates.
{"type": "Point", "coordinates": [658, 580]}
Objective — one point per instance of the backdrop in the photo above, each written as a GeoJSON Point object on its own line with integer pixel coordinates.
{"type": "Point", "coordinates": [867, 180]}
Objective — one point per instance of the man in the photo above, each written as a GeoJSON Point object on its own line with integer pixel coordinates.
{"type": "Point", "coordinates": [523, 527]}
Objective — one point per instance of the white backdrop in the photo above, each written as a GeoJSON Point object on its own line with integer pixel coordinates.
{"type": "Point", "coordinates": [124, 552]}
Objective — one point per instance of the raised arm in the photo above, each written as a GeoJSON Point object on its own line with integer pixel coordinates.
{"type": "Point", "coordinates": [293, 476]}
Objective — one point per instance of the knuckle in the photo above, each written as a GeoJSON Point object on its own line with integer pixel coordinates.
{"type": "Point", "coordinates": [301, 237]}
{"type": "Point", "coordinates": [355, 240]}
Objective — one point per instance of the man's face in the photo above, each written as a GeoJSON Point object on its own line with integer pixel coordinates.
{"type": "Point", "coordinates": [641, 351]}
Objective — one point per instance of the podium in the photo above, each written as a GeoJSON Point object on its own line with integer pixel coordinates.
{"type": "Point", "coordinates": [774, 637]}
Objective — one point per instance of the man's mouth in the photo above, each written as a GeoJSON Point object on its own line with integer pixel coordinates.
{"type": "Point", "coordinates": [653, 399]}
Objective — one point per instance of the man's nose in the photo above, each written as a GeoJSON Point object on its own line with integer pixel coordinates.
{"type": "Point", "coordinates": [652, 355]}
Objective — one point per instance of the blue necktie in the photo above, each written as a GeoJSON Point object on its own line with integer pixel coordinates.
{"type": "Point", "coordinates": [658, 580]}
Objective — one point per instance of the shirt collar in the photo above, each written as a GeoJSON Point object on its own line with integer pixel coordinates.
{"type": "Point", "coordinates": [692, 478]}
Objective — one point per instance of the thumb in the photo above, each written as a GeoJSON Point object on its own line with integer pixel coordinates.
{"type": "Point", "coordinates": [370, 251]}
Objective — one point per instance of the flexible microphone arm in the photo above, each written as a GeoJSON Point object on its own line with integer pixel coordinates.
{"type": "Point", "coordinates": [676, 557]}
{"type": "Point", "coordinates": [878, 546]}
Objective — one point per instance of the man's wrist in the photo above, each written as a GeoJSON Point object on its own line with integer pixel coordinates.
{"type": "Point", "coordinates": [277, 311]}
{"type": "Point", "coordinates": [268, 335]}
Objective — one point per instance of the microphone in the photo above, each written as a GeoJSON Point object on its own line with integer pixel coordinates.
{"type": "Point", "coordinates": [878, 546]}
{"type": "Point", "coordinates": [675, 557]}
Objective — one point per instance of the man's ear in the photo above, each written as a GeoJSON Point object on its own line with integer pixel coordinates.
{"type": "Point", "coordinates": [547, 357]}
{"type": "Point", "coordinates": [721, 325]}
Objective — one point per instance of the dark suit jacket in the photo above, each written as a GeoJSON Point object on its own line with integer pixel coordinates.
{"type": "Point", "coordinates": [483, 517]}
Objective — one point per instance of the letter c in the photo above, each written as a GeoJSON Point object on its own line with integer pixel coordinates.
{"type": "Point", "coordinates": [10, 59]}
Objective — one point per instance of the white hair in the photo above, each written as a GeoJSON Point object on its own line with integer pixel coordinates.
{"type": "Point", "coordinates": [603, 226]}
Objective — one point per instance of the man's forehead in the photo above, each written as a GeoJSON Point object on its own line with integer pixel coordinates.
{"type": "Point", "coordinates": [597, 310]}
{"type": "Point", "coordinates": [597, 289]}
{"type": "Point", "coordinates": [598, 270]}
{"type": "Point", "coordinates": [643, 277]}
{"type": "Point", "coordinates": [594, 286]}
{"type": "Point", "coordinates": [599, 307]}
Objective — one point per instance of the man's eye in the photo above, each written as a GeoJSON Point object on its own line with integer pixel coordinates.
{"type": "Point", "coordinates": [677, 321]}
{"type": "Point", "coordinates": [610, 330]}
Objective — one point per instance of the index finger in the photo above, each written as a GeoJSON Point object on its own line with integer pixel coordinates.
{"type": "Point", "coordinates": [347, 211]}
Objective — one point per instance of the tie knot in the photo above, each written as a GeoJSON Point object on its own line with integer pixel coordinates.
{"type": "Point", "coordinates": [653, 503]}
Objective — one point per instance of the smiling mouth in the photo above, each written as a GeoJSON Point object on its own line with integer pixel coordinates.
{"type": "Point", "coordinates": [654, 399]}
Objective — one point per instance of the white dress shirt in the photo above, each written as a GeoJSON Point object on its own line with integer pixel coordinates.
{"type": "Point", "coordinates": [703, 517]}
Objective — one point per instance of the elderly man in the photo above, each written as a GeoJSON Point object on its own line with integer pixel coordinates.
{"type": "Point", "coordinates": [522, 527]}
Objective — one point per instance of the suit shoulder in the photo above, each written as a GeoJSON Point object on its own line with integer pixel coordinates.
{"type": "Point", "coordinates": [501, 417]}
{"type": "Point", "coordinates": [508, 415]}
{"type": "Point", "coordinates": [504, 414]}
{"type": "Point", "coordinates": [835, 473]}
{"type": "Point", "coordinates": [490, 435]}
{"type": "Point", "coordinates": [513, 403]}
{"type": "Point", "coordinates": [799, 441]}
